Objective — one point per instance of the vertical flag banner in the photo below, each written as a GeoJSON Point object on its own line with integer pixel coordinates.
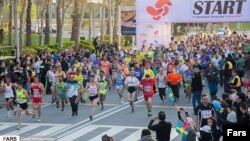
{"type": "Point", "coordinates": [170, 95]}
{"type": "Point", "coordinates": [128, 21]}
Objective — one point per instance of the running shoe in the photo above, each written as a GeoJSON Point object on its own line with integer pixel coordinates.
{"type": "Point", "coordinates": [90, 117]}
{"type": "Point", "coordinates": [38, 120]}
{"type": "Point", "coordinates": [57, 106]}
{"type": "Point", "coordinates": [62, 111]}
{"type": "Point", "coordinates": [33, 115]}
{"type": "Point", "coordinates": [122, 102]}
{"type": "Point", "coordinates": [149, 114]}
{"type": "Point", "coordinates": [18, 127]}
{"type": "Point", "coordinates": [15, 112]}
{"type": "Point", "coordinates": [133, 110]}
{"type": "Point", "coordinates": [102, 108]}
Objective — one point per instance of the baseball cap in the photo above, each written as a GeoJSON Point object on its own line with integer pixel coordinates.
{"type": "Point", "coordinates": [206, 129]}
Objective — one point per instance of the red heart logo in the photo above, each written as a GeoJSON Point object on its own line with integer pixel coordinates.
{"type": "Point", "coordinates": [161, 3]}
{"type": "Point", "coordinates": [154, 12]}
{"type": "Point", "coordinates": [156, 32]}
{"type": "Point", "coordinates": [157, 18]}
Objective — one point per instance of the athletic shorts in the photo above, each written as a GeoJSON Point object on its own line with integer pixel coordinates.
{"type": "Point", "coordinates": [103, 92]}
{"type": "Point", "coordinates": [37, 100]}
{"type": "Point", "coordinates": [187, 84]}
{"type": "Point", "coordinates": [131, 89]}
{"type": "Point", "coordinates": [119, 87]}
{"type": "Point", "coordinates": [148, 96]}
{"type": "Point", "coordinates": [92, 98]}
{"type": "Point", "coordinates": [7, 99]}
{"type": "Point", "coordinates": [23, 106]}
{"type": "Point", "coordinates": [61, 96]}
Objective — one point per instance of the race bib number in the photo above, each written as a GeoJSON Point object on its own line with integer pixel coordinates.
{"type": "Point", "coordinates": [137, 74]}
{"type": "Point", "coordinates": [205, 114]}
{"type": "Point", "coordinates": [92, 91]}
{"type": "Point", "coordinates": [36, 93]}
{"type": "Point", "coordinates": [147, 88]}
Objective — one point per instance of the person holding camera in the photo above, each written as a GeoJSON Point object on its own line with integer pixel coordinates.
{"type": "Point", "coordinates": [162, 129]}
{"type": "Point", "coordinates": [191, 136]}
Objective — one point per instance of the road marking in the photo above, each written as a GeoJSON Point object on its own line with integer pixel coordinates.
{"type": "Point", "coordinates": [2, 127]}
{"type": "Point", "coordinates": [50, 130]}
{"type": "Point", "coordinates": [78, 133]}
{"type": "Point", "coordinates": [110, 132]}
{"type": "Point", "coordinates": [158, 106]}
{"type": "Point", "coordinates": [23, 130]}
{"type": "Point", "coordinates": [37, 124]}
{"type": "Point", "coordinates": [113, 126]}
{"type": "Point", "coordinates": [174, 134]}
{"type": "Point", "coordinates": [80, 124]}
{"type": "Point", "coordinates": [134, 136]}
{"type": "Point", "coordinates": [97, 118]}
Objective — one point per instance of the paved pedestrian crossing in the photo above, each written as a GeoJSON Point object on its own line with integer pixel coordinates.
{"type": "Point", "coordinates": [35, 131]}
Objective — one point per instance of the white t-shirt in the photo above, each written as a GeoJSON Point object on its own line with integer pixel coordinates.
{"type": "Point", "coordinates": [184, 67]}
{"type": "Point", "coordinates": [131, 81]}
{"type": "Point", "coordinates": [8, 93]}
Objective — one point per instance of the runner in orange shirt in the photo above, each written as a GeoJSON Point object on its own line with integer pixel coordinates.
{"type": "Point", "coordinates": [174, 80]}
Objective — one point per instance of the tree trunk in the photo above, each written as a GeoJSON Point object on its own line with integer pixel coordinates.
{"type": "Point", "coordinates": [23, 9]}
{"type": "Point", "coordinates": [10, 23]}
{"type": "Point", "coordinates": [59, 22]}
{"type": "Point", "coordinates": [115, 31]}
{"type": "Point", "coordinates": [41, 29]}
{"type": "Point", "coordinates": [90, 22]}
{"type": "Point", "coordinates": [102, 20]}
{"type": "Point", "coordinates": [47, 23]}
{"type": "Point", "coordinates": [75, 35]}
{"type": "Point", "coordinates": [1, 9]}
{"type": "Point", "coordinates": [28, 24]}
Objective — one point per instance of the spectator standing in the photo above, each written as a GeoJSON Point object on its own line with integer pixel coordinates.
{"type": "Point", "coordinates": [162, 129]}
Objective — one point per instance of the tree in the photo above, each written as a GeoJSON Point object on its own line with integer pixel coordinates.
{"type": "Point", "coordinates": [102, 19]}
{"type": "Point", "coordinates": [76, 22]}
{"type": "Point", "coordinates": [1, 9]}
{"type": "Point", "coordinates": [41, 27]}
{"type": "Point", "coordinates": [28, 24]}
{"type": "Point", "coordinates": [59, 22]}
{"type": "Point", "coordinates": [115, 31]}
{"type": "Point", "coordinates": [62, 6]}
{"type": "Point", "coordinates": [91, 21]}
{"type": "Point", "coordinates": [47, 22]}
{"type": "Point", "coordinates": [10, 23]}
{"type": "Point", "coordinates": [23, 9]}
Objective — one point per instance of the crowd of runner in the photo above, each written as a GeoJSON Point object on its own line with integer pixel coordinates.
{"type": "Point", "coordinates": [75, 76]}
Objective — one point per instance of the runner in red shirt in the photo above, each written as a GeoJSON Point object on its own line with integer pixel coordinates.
{"type": "Point", "coordinates": [147, 86]}
{"type": "Point", "coordinates": [37, 91]}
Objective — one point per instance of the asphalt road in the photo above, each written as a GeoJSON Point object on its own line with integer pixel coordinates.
{"type": "Point", "coordinates": [116, 120]}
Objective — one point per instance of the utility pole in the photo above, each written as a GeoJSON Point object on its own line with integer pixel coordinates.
{"type": "Point", "coordinates": [16, 31]}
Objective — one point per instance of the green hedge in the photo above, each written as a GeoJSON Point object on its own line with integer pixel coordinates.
{"type": "Point", "coordinates": [7, 52]}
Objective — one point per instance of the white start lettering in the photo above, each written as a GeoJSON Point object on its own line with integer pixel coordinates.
{"type": "Point", "coordinates": [236, 133]}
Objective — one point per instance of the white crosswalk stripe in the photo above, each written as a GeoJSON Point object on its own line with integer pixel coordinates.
{"type": "Point", "coordinates": [81, 134]}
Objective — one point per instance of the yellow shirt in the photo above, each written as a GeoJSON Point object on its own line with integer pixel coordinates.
{"type": "Point", "coordinates": [77, 65]}
{"type": "Point", "coordinates": [150, 72]}
{"type": "Point", "coordinates": [127, 60]}
{"type": "Point", "coordinates": [139, 58]}
{"type": "Point", "coordinates": [79, 78]}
